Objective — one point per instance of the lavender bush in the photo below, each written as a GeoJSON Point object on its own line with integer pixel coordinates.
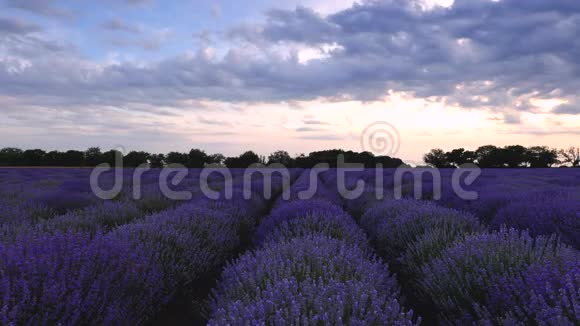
{"type": "Point", "coordinates": [310, 217]}
{"type": "Point", "coordinates": [188, 242]}
{"type": "Point", "coordinates": [544, 213]}
{"type": "Point", "coordinates": [432, 244]}
{"type": "Point", "coordinates": [394, 225]}
{"type": "Point", "coordinates": [458, 283]}
{"type": "Point", "coordinates": [546, 293]}
{"type": "Point", "coordinates": [103, 217]}
{"type": "Point", "coordinates": [71, 279]}
{"type": "Point", "coordinates": [284, 283]}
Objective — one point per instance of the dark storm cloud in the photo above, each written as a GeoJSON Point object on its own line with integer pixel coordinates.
{"type": "Point", "coordinates": [476, 54]}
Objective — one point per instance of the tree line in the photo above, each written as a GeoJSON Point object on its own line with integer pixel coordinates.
{"type": "Point", "coordinates": [195, 158]}
{"type": "Point", "coordinates": [514, 156]}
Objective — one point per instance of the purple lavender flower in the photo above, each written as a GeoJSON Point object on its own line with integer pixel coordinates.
{"type": "Point", "coordinates": [71, 278]}
{"type": "Point", "coordinates": [459, 281]}
{"type": "Point", "coordinates": [302, 218]}
{"type": "Point", "coordinates": [188, 242]}
{"type": "Point", "coordinates": [312, 279]}
{"type": "Point", "coordinates": [544, 213]}
{"type": "Point", "coordinates": [546, 293]}
{"type": "Point", "coordinates": [394, 225]}
{"type": "Point", "coordinates": [103, 217]}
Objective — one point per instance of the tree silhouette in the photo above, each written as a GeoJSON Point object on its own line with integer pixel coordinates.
{"type": "Point", "coordinates": [156, 160]}
{"type": "Point", "coordinates": [177, 158]}
{"type": "Point", "coordinates": [10, 156]}
{"type": "Point", "coordinates": [217, 159]}
{"type": "Point", "coordinates": [541, 157]}
{"type": "Point", "coordinates": [73, 158]}
{"type": "Point", "coordinates": [134, 159]}
{"type": "Point", "coordinates": [197, 158]}
{"type": "Point", "coordinates": [571, 156]}
{"type": "Point", "coordinates": [489, 156]}
{"type": "Point", "coordinates": [281, 157]}
{"type": "Point", "coordinates": [93, 156]}
{"type": "Point", "coordinates": [33, 157]}
{"type": "Point", "coordinates": [513, 156]}
{"type": "Point", "coordinates": [243, 161]}
{"type": "Point", "coordinates": [460, 156]}
{"type": "Point", "coordinates": [110, 157]}
{"type": "Point", "coordinates": [437, 158]}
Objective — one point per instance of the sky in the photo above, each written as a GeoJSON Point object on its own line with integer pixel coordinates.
{"type": "Point", "coordinates": [396, 77]}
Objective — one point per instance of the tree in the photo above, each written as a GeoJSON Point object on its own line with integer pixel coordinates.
{"type": "Point", "coordinates": [197, 158]}
{"type": "Point", "coordinates": [514, 156]}
{"type": "Point", "coordinates": [281, 157]}
{"type": "Point", "coordinates": [177, 158]}
{"type": "Point", "coordinates": [216, 159]}
{"type": "Point", "coordinates": [156, 160]}
{"type": "Point", "coordinates": [73, 158]}
{"type": "Point", "coordinates": [93, 156]}
{"type": "Point", "coordinates": [55, 158]}
{"type": "Point", "coordinates": [33, 157]}
{"type": "Point", "coordinates": [389, 162]}
{"type": "Point", "coordinates": [111, 158]}
{"type": "Point", "coordinates": [437, 158]}
{"type": "Point", "coordinates": [243, 161]}
{"type": "Point", "coordinates": [571, 156]}
{"type": "Point", "coordinates": [134, 159]}
{"type": "Point", "coordinates": [10, 156]}
{"type": "Point", "coordinates": [460, 156]}
{"type": "Point", "coordinates": [541, 157]}
{"type": "Point", "coordinates": [489, 156]}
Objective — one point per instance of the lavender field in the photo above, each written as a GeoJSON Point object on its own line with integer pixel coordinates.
{"type": "Point", "coordinates": [509, 257]}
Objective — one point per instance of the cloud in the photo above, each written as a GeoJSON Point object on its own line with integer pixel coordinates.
{"type": "Point", "coordinates": [150, 40]}
{"type": "Point", "coordinates": [540, 132]}
{"type": "Point", "coordinates": [307, 129]}
{"type": "Point", "coordinates": [41, 7]}
{"type": "Point", "coordinates": [479, 54]}
{"type": "Point", "coordinates": [567, 109]}
{"type": "Point", "coordinates": [314, 122]}
{"type": "Point", "coordinates": [17, 26]}
{"type": "Point", "coordinates": [216, 11]}
{"type": "Point", "coordinates": [512, 118]}
{"type": "Point", "coordinates": [21, 49]}
{"type": "Point", "coordinates": [214, 122]}
{"type": "Point", "coordinates": [321, 137]}
{"type": "Point", "coordinates": [116, 24]}
{"type": "Point", "coordinates": [137, 2]}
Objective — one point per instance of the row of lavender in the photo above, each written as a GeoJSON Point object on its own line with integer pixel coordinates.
{"type": "Point", "coordinates": [119, 262]}
{"type": "Point", "coordinates": [457, 269]}
{"type": "Point", "coordinates": [542, 201]}
{"type": "Point", "coordinates": [312, 265]}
